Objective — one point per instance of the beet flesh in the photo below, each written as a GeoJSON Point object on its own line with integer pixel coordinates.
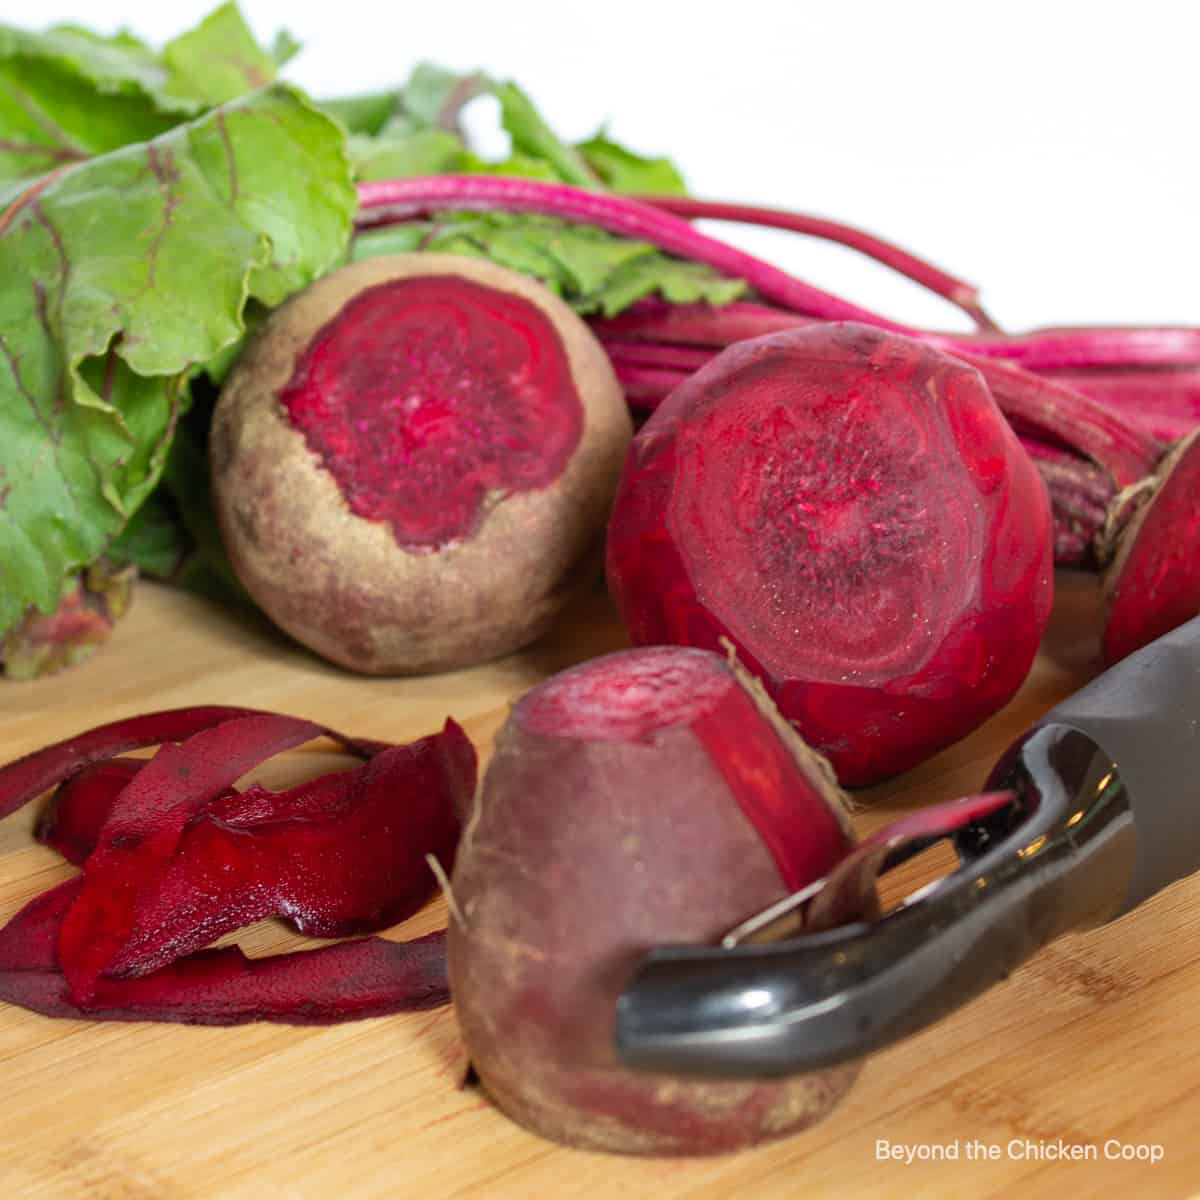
{"type": "Point", "coordinates": [1153, 583]}
{"type": "Point", "coordinates": [613, 818]}
{"type": "Point", "coordinates": [851, 510]}
{"type": "Point", "coordinates": [414, 460]}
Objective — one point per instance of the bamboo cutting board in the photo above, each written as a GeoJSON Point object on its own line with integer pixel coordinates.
{"type": "Point", "coordinates": [1092, 1048]}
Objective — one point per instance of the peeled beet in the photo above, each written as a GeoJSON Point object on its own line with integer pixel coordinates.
{"type": "Point", "coordinates": [644, 797]}
{"type": "Point", "coordinates": [850, 508]}
{"type": "Point", "coordinates": [415, 459]}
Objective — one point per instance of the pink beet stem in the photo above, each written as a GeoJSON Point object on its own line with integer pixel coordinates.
{"type": "Point", "coordinates": [406, 198]}
{"type": "Point", "coordinates": [387, 200]}
{"type": "Point", "coordinates": [1165, 401]}
{"type": "Point", "coordinates": [653, 320]}
{"type": "Point", "coordinates": [1050, 409]}
{"type": "Point", "coordinates": [657, 354]}
{"type": "Point", "coordinates": [1069, 347]}
{"type": "Point", "coordinates": [1080, 494]}
{"type": "Point", "coordinates": [1032, 402]}
{"type": "Point", "coordinates": [961, 294]}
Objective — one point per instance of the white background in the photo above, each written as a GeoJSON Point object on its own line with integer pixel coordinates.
{"type": "Point", "coordinates": [1046, 151]}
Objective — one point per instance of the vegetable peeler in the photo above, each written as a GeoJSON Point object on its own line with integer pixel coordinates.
{"type": "Point", "coordinates": [1089, 813]}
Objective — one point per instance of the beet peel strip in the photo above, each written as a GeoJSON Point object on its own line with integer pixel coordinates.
{"type": "Point", "coordinates": [367, 977]}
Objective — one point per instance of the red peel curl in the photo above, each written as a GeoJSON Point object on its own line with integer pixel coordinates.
{"type": "Point", "coordinates": [369, 977]}
{"type": "Point", "coordinates": [29, 777]}
{"type": "Point", "coordinates": [144, 828]}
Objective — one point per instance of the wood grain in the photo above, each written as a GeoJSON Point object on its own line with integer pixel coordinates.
{"type": "Point", "coordinates": [1097, 1038]}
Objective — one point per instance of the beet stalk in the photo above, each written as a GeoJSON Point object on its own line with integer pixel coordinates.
{"type": "Point", "coordinates": [850, 509]}
{"type": "Point", "coordinates": [961, 294]}
{"type": "Point", "coordinates": [391, 199]}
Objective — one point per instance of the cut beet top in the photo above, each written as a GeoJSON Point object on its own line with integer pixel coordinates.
{"type": "Point", "coordinates": [852, 510]}
{"type": "Point", "coordinates": [398, 413]}
{"type": "Point", "coordinates": [413, 462]}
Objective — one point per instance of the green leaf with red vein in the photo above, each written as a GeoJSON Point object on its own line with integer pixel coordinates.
{"type": "Point", "coordinates": [121, 275]}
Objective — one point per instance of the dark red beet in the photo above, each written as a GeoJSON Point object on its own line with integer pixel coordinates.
{"type": "Point", "coordinates": [370, 977]}
{"type": "Point", "coordinates": [622, 810]}
{"type": "Point", "coordinates": [851, 509]}
{"type": "Point", "coordinates": [1153, 583]}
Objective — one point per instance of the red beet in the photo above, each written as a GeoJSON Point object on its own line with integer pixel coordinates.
{"type": "Point", "coordinates": [1153, 583]}
{"type": "Point", "coordinates": [414, 460]}
{"type": "Point", "coordinates": [644, 797]}
{"type": "Point", "coordinates": [370, 977]}
{"type": "Point", "coordinates": [852, 511]}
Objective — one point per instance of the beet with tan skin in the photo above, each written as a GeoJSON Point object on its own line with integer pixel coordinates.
{"type": "Point", "coordinates": [414, 461]}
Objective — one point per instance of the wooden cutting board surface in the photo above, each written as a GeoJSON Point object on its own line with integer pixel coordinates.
{"type": "Point", "coordinates": [1093, 1048]}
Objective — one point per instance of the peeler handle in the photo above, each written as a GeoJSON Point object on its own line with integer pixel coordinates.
{"type": "Point", "coordinates": [1144, 713]}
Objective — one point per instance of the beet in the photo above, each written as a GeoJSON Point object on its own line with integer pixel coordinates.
{"type": "Point", "coordinates": [851, 510]}
{"type": "Point", "coordinates": [643, 797]}
{"type": "Point", "coordinates": [1153, 582]}
{"type": "Point", "coordinates": [415, 459]}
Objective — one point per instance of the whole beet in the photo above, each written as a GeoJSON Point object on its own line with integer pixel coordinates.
{"type": "Point", "coordinates": [413, 461]}
{"type": "Point", "coordinates": [851, 510]}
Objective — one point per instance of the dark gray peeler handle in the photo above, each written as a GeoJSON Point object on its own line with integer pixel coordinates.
{"type": "Point", "coordinates": [1144, 713]}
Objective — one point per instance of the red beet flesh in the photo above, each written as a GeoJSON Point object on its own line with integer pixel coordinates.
{"type": "Point", "coordinates": [851, 509]}
{"type": "Point", "coordinates": [643, 797]}
{"type": "Point", "coordinates": [413, 461]}
{"type": "Point", "coordinates": [504, 418]}
{"type": "Point", "coordinates": [1153, 584]}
